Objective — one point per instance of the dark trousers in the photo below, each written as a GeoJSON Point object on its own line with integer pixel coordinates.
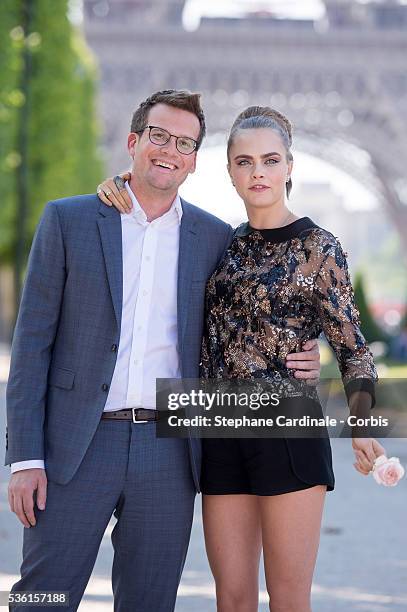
{"type": "Point", "coordinates": [147, 483]}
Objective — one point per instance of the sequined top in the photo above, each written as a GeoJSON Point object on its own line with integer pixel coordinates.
{"type": "Point", "coordinates": [275, 289]}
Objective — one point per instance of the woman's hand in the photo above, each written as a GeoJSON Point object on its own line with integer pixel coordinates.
{"type": "Point", "coordinates": [112, 192]}
{"type": "Point", "coordinates": [366, 450]}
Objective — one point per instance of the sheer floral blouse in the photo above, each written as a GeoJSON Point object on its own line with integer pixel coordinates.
{"type": "Point", "coordinates": [274, 290]}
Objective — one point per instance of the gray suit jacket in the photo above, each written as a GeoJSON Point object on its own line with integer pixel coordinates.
{"type": "Point", "coordinates": [63, 354]}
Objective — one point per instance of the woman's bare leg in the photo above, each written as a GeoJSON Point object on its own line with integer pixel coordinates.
{"type": "Point", "coordinates": [291, 525]}
{"type": "Point", "coordinates": [233, 544]}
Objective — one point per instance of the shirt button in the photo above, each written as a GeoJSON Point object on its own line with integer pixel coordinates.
{"type": "Point", "coordinates": [114, 348]}
{"type": "Point", "coordinates": [148, 257]}
{"type": "Point", "coordinates": [105, 387]}
{"type": "Point", "coordinates": [145, 292]}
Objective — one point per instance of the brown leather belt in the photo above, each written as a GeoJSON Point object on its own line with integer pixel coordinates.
{"type": "Point", "coordinates": [137, 415]}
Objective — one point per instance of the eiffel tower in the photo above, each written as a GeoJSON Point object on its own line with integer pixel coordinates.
{"type": "Point", "coordinates": [342, 80]}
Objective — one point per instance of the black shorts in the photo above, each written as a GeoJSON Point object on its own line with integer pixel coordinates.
{"type": "Point", "coordinates": [264, 466]}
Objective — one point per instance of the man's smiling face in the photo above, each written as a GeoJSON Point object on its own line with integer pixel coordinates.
{"type": "Point", "coordinates": [163, 167]}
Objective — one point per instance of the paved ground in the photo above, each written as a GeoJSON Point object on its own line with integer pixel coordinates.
{"type": "Point", "coordinates": [362, 563]}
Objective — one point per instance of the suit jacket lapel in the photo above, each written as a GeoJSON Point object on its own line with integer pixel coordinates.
{"type": "Point", "coordinates": [187, 253]}
{"type": "Point", "coordinates": [110, 229]}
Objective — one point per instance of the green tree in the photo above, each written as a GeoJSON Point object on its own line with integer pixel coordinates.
{"type": "Point", "coordinates": [370, 329]}
{"type": "Point", "coordinates": [11, 42]}
{"type": "Point", "coordinates": [48, 128]}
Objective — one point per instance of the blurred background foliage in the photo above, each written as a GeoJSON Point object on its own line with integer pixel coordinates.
{"type": "Point", "coordinates": [370, 329]}
{"type": "Point", "coordinates": [48, 128]}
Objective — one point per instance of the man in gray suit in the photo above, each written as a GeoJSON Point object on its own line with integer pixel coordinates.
{"type": "Point", "coordinates": [111, 302]}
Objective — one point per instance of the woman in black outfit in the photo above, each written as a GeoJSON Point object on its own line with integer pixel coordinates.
{"type": "Point", "coordinates": [283, 281]}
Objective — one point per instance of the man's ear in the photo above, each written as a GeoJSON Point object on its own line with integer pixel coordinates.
{"type": "Point", "coordinates": [193, 168]}
{"type": "Point", "coordinates": [132, 140]}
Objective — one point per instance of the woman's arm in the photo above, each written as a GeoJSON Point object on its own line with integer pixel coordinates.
{"type": "Point", "coordinates": [112, 192]}
{"type": "Point", "coordinates": [340, 321]}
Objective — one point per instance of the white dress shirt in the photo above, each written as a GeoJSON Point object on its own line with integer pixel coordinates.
{"type": "Point", "coordinates": [148, 347]}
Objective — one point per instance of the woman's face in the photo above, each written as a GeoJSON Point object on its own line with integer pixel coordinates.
{"type": "Point", "coordinates": [259, 168]}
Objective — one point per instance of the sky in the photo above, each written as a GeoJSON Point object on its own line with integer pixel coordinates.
{"type": "Point", "coordinates": [298, 9]}
{"type": "Point", "coordinates": [294, 9]}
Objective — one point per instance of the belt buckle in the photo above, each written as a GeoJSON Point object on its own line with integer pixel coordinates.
{"type": "Point", "coordinates": [133, 412]}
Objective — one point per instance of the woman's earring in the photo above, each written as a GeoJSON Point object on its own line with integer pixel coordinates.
{"type": "Point", "coordinates": [288, 179]}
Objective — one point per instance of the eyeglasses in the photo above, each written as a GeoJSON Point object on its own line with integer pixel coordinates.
{"type": "Point", "coordinates": [159, 136]}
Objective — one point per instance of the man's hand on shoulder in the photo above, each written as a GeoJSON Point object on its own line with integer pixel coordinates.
{"type": "Point", "coordinates": [22, 487]}
{"type": "Point", "coordinates": [306, 364]}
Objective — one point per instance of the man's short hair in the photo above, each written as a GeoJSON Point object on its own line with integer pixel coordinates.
{"type": "Point", "coordinates": [185, 100]}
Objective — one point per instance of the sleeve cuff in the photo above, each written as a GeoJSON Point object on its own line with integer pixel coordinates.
{"type": "Point", "coordinates": [27, 465]}
{"type": "Point", "coordinates": [361, 384]}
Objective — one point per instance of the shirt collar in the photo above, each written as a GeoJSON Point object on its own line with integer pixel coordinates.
{"type": "Point", "coordinates": [139, 214]}
{"type": "Point", "coordinates": [278, 234]}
